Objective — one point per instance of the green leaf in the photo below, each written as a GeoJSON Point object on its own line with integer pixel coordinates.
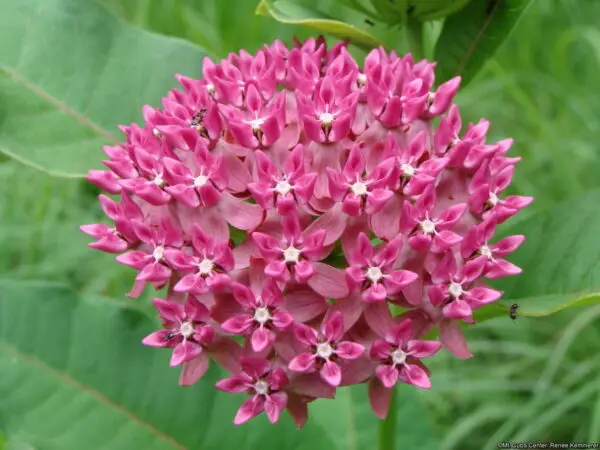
{"type": "Point", "coordinates": [350, 419]}
{"type": "Point", "coordinates": [75, 375]}
{"type": "Point", "coordinates": [293, 13]}
{"type": "Point", "coordinates": [72, 73]}
{"type": "Point", "coordinates": [560, 260]}
{"type": "Point", "coordinates": [472, 35]}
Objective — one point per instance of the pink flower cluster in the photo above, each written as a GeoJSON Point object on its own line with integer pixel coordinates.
{"type": "Point", "coordinates": [309, 222]}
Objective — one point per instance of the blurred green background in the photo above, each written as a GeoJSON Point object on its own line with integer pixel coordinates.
{"type": "Point", "coordinates": [534, 379]}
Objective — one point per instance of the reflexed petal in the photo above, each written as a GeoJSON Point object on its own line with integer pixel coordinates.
{"type": "Point", "coordinates": [274, 404]}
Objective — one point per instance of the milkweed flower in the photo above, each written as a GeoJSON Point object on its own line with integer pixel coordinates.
{"type": "Point", "coordinates": [290, 201]}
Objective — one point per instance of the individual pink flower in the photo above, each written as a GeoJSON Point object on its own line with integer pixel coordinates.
{"type": "Point", "coordinates": [263, 315]}
{"type": "Point", "coordinates": [416, 171]}
{"type": "Point", "coordinates": [426, 231]}
{"type": "Point", "coordinates": [399, 356]}
{"type": "Point", "coordinates": [453, 289]}
{"type": "Point", "coordinates": [293, 255]}
{"type": "Point", "coordinates": [207, 268]}
{"type": "Point", "coordinates": [374, 273]}
{"type": "Point", "coordinates": [326, 349]}
{"type": "Point", "coordinates": [201, 185]}
{"type": "Point", "coordinates": [185, 330]}
{"type": "Point", "coordinates": [359, 193]}
{"type": "Point", "coordinates": [263, 384]}
{"type": "Point", "coordinates": [151, 264]}
{"type": "Point", "coordinates": [329, 115]}
{"type": "Point", "coordinates": [293, 186]}
{"type": "Point", "coordinates": [476, 245]}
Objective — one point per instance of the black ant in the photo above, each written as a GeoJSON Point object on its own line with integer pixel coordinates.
{"type": "Point", "coordinates": [513, 311]}
{"type": "Point", "coordinates": [169, 336]}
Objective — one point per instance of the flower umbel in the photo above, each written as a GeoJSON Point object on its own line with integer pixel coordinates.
{"type": "Point", "coordinates": [286, 200]}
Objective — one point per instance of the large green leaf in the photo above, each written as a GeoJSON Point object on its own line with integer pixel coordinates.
{"type": "Point", "coordinates": [294, 13]}
{"type": "Point", "coordinates": [350, 419]}
{"type": "Point", "coordinates": [73, 72]}
{"type": "Point", "coordinates": [473, 34]}
{"type": "Point", "coordinates": [560, 260]}
{"type": "Point", "coordinates": [75, 375]}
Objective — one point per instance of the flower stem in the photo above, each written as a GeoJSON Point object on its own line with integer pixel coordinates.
{"type": "Point", "coordinates": [387, 427]}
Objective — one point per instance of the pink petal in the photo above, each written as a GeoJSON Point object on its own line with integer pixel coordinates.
{"type": "Point", "coordinates": [400, 334]}
{"type": "Point", "coordinates": [261, 339]}
{"type": "Point", "coordinates": [333, 326]}
{"type": "Point", "coordinates": [237, 324]}
{"type": "Point", "coordinates": [379, 398]}
{"type": "Point", "coordinates": [387, 374]}
{"type": "Point", "coordinates": [251, 408]}
{"type": "Point", "coordinates": [304, 362]}
{"type": "Point", "coordinates": [274, 404]}
{"type": "Point", "coordinates": [170, 311]}
{"type": "Point", "coordinates": [239, 213]}
{"type": "Point", "coordinates": [380, 350]}
{"type": "Point", "coordinates": [423, 349]}
{"type": "Point", "coordinates": [333, 222]}
{"type": "Point", "coordinates": [157, 339]}
{"type": "Point", "coordinates": [226, 352]}
{"type": "Point", "coordinates": [458, 309]}
{"type": "Point", "coordinates": [379, 317]}
{"type": "Point", "coordinates": [399, 279]}
{"type": "Point", "coordinates": [305, 304]}
{"type": "Point", "coordinates": [415, 375]}
{"type": "Point", "coordinates": [385, 222]}
{"type": "Point", "coordinates": [184, 352]}
{"type": "Point", "coordinates": [282, 320]}
{"type": "Point", "coordinates": [328, 281]}
{"type": "Point", "coordinates": [307, 335]}
{"type": "Point", "coordinates": [331, 373]}
{"type": "Point", "coordinates": [194, 370]}
{"type": "Point", "coordinates": [453, 339]}
{"type": "Point", "coordinates": [349, 350]}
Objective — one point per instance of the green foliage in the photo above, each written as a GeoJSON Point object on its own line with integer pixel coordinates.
{"type": "Point", "coordinates": [296, 14]}
{"type": "Point", "coordinates": [560, 260]}
{"type": "Point", "coordinates": [472, 35]}
{"type": "Point", "coordinates": [72, 73]}
{"type": "Point", "coordinates": [74, 372]}
{"type": "Point", "coordinates": [534, 378]}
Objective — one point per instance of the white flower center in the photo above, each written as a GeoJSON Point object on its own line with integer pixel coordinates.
{"type": "Point", "coordinates": [159, 180]}
{"type": "Point", "coordinates": [428, 226]}
{"type": "Point", "coordinates": [206, 266]}
{"type": "Point", "coordinates": [398, 357]}
{"type": "Point", "coordinates": [485, 251]}
{"type": "Point", "coordinates": [200, 181]}
{"type": "Point", "coordinates": [455, 290]}
{"type": "Point", "coordinates": [407, 170]}
{"type": "Point", "coordinates": [158, 253]}
{"type": "Point", "coordinates": [326, 118]}
{"type": "Point", "coordinates": [283, 187]}
{"type": "Point", "coordinates": [361, 79]}
{"type": "Point", "coordinates": [261, 387]}
{"type": "Point", "coordinates": [493, 199]}
{"type": "Point", "coordinates": [210, 88]}
{"type": "Point", "coordinates": [324, 350]}
{"type": "Point", "coordinates": [186, 329]}
{"type": "Point", "coordinates": [156, 133]}
{"type": "Point", "coordinates": [291, 254]}
{"type": "Point", "coordinates": [261, 315]}
{"type": "Point", "coordinates": [374, 274]}
{"type": "Point", "coordinates": [359, 188]}
{"type": "Point", "coordinates": [256, 123]}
